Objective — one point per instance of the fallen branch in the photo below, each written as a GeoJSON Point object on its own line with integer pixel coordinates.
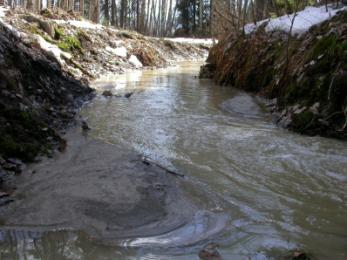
{"type": "Point", "coordinates": [149, 162]}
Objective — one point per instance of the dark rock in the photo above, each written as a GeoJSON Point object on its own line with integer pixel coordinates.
{"type": "Point", "coordinates": [107, 93]}
{"type": "Point", "coordinates": [210, 252]}
{"type": "Point", "coordinates": [207, 71]}
{"type": "Point", "coordinates": [128, 95]}
{"type": "Point", "coordinates": [5, 201]}
{"type": "Point", "coordinates": [297, 255]}
{"type": "Point", "coordinates": [47, 27]}
{"type": "Point", "coordinates": [85, 126]}
{"type": "Point", "coordinates": [3, 194]}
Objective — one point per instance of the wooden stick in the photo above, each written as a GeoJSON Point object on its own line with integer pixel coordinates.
{"type": "Point", "coordinates": [149, 161]}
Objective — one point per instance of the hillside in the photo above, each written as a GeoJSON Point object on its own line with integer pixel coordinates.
{"type": "Point", "coordinates": [87, 50]}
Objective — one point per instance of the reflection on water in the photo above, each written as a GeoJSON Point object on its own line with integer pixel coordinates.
{"type": "Point", "coordinates": [278, 190]}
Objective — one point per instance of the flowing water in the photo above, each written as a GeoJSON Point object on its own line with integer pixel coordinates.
{"type": "Point", "coordinates": [268, 190]}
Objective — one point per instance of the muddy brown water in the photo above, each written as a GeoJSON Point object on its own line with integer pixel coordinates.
{"type": "Point", "coordinates": [258, 191]}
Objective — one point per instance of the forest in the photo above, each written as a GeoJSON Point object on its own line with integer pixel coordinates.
{"type": "Point", "coordinates": [199, 18]}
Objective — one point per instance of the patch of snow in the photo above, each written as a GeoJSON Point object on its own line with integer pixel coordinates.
{"type": "Point", "coordinates": [80, 24]}
{"type": "Point", "coordinates": [53, 49]}
{"type": "Point", "coordinates": [192, 40]}
{"type": "Point", "coordinates": [120, 51]}
{"type": "Point", "coordinates": [304, 20]}
{"type": "Point", "coordinates": [135, 61]}
{"type": "Point", "coordinates": [116, 43]}
{"type": "Point", "coordinates": [3, 11]}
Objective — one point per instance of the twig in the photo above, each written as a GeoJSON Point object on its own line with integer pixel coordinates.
{"type": "Point", "coordinates": [149, 161]}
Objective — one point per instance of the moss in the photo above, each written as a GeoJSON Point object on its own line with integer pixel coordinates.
{"type": "Point", "coordinates": [33, 28]}
{"type": "Point", "coordinates": [48, 39]}
{"type": "Point", "coordinates": [21, 136]}
{"type": "Point", "coordinates": [58, 33]}
{"type": "Point", "coordinates": [302, 120]}
{"type": "Point", "coordinates": [9, 147]}
{"type": "Point", "coordinates": [70, 43]}
{"type": "Point", "coordinates": [329, 46]}
{"type": "Point", "coordinates": [64, 46]}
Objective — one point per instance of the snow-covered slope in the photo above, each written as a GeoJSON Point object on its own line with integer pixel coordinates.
{"type": "Point", "coordinates": [192, 40]}
{"type": "Point", "coordinates": [303, 21]}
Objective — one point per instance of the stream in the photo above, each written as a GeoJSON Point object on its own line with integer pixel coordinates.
{"type": "Point", "coordinates": [258, 190]}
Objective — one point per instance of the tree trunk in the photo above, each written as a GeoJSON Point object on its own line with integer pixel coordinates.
{"type": "Point", "coordinates": [107, 12]}
{"type": "Point", "coordinates": [29, 5]}
{"type": "Point", "coordinates": [163, 17]}
{"type": "Point", "coordinates": [260, 8]}
{"type": "Point", "coordinates": [201, 13]}
{"type": "Point", "coordinates": [64, 4]}
{"type": "Point", "coordinates": [71, 5]}
{"type": "Point", "coordinates": [38, 5]}
{"type": "Point", "coordinates": [194, 16]}
{"type": "Point", "coordinates": [82, 7]}
{"type": "Point", "coordinates": [123, 13]}
{"type": "Point", "coordinates": [169, 20]}
{"type": "Point", "coordinates": [94, 11]}
{"type": "Point", "coordinates": [113, 13]}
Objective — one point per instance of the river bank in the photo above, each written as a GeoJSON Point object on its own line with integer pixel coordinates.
{"type": "Point", "coordinates": [47, 63]}
{"type": "Point", "coordinates": [301, 68]}
{"type": "Point", "coordinates": [86, 50]}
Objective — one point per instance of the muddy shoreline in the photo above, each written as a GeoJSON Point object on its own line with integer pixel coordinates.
{"type": "Point", "coordinates": [104, 189]}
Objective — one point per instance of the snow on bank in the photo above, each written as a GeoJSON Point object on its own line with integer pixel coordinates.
{"type": "Point", "coordinates": [192, 40]}
{"type": "Point", "coordinates": [53, 50]}
{"type": "Point", "coordinates": [84, 24]}
{"type": "Point", "coordinates": [304, 20]}
{"type": "Point", "coordinates": [3, 11]}
{"type": "Point", "coordinates": [120, 51]}
{"type": "Point", "coordinates": [135, 62]}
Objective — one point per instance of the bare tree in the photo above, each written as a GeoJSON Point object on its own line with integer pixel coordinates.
{"type": "Point", "coordinates": [107, 12]}
{"type": "Point", "coordinates": [71, 4]}
{"type": "Point", "coordinates": [82, 7]}
{"type": "Point", "coordinates": [114, 13]}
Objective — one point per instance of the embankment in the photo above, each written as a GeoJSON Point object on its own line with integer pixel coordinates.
{"type": "Point", "coordinates": [37, 101]}
{"type": "Point", "coordinates": [46, 63]}
{"type": "Point", "coordinates": [305, 75]}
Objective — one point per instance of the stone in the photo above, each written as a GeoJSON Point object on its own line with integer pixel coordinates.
{"type": "Point", "coordinates": [107, 93]}
{"type": "Point", "coordinates": [47, 27]}
{"type": "Point", "coordinates": [315, 108]}
{"type": "Point", "coordinates": [3, 194]}
{"type": "Point", "coordinates": [210, 252]}
{"type": "Point", "coordinates": [128, 95]}
{"type": "Point", "coordinates": [85, 126]}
